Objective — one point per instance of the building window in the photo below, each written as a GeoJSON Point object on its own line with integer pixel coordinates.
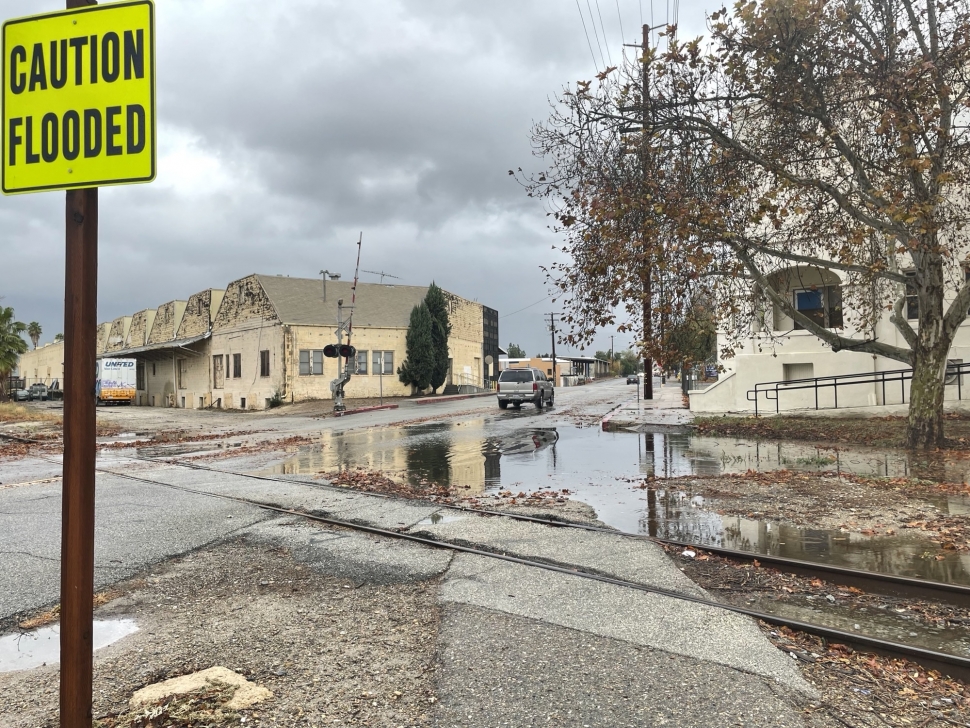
{"type": "Point", "coordinates": [912, 300]}
{"type": "Point", "coordinates": [180, 370]}
{"type": "Point", "coordinates": [140, 375]}
{"type": "Point", "coordinates": [822, 304]}
{"type": "Point", "coordinates": [236, 366]}
{"type": "Point", "coordinates": [383, 362]}
{"type": "Point", "coordinates": [362, 362]}
{"type": "Point", "coordinates": [264, 363]}
{"type": "Point", "coordinates": [311, 361]}
{"type": "Point", "coordinates": [218, 372]}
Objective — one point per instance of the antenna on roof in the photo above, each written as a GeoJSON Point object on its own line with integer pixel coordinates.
{"type": "Point", "coordinates": [381, 273]}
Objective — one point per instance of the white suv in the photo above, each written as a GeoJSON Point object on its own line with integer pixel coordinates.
{"type": "Point", "coordinates": [516, 386]}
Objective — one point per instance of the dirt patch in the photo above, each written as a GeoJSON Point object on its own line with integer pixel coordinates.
{"type": "Point", "coordinates": [832, 501]}
{"type": "Point", "coordinates": [329, 650]}
{"type": "Point", "coordinates": [871, 431]}
{"type": "Point", "coordinates": [10, 412]}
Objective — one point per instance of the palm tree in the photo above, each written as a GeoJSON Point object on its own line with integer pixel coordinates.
{"type": "Point", "coordinates": [11, 343]}
{"type": "Point", "coordinates": [34, 331]}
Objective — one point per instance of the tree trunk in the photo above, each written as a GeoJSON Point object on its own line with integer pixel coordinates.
{"type": "Point", "coordinates": [924, 428]}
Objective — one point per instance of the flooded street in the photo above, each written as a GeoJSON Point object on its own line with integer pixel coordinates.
{"type": "Point", "coordinates": [525, 453]}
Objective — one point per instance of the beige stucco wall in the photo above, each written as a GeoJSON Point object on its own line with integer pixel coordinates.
{"type": "Point", "coordinates": [168, 316]}
{"type": "Point", "coordinates": [467, 335]}
{"type": "Point", "coordinates": [44, 364]}
{"type": "Point", "coordinates": [247, 340]}
{"type": "Point", "coordinates": [118, 334]}
{"type": "Point", "coordinates": [141, 326]}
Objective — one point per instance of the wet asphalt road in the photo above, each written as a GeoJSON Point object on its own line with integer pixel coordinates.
{"type": "Point", "coordinates": [139, 524]}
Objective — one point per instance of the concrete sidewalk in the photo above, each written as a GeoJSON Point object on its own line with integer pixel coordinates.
{"type": "Point", "coordinates": [665, 409]}
{"type": "Point", "coordinates": [518, 645]}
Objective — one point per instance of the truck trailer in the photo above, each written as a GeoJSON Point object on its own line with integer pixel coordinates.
{"type": "Point", "coordinates": [116, 381]}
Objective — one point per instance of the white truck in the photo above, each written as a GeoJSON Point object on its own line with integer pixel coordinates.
{"type": "Point", "coordinates": [117, 381]}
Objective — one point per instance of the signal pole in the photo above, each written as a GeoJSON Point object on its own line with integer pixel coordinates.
{"type": "Point", "coordinates": [647, 292]}
{"type": "Point", "coordinates": [552, 328]}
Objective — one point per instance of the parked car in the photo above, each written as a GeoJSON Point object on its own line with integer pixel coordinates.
{"type": "Point", "coordinates": [516, 386]}
{"type": "Point", "coordinates": [39, 391]}
{"type": "Point", "coordinates": [633, 379]}
{"type": "Point", "coordinates": [20, 395]}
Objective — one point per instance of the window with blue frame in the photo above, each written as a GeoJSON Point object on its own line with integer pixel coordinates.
{"type": "Point", "coordinates": [821, 304]}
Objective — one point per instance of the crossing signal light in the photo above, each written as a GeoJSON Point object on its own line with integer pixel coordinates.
{"type": "Point", "coordinates": [347, 351]}
{"type": "Point", "coordinates": [330, 350]}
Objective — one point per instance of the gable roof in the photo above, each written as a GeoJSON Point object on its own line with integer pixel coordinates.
{"type": "Point", "coordinates": [300, 301]}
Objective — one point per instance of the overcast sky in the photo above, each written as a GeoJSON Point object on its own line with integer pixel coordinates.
{"type": "Point", "coordinates": [286, 128]}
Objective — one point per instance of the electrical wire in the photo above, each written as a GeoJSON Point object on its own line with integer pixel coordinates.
{"type": "Point", "coordinates": [603, 28]}
{"type": "Point", "coordinates": [592, 21]}
{"type": "Point", "coordinates": [588, 41]}
{"type": "Point", "coordinates": [529, 306]}
{"type": "Point", "coordinates": [620, 18]}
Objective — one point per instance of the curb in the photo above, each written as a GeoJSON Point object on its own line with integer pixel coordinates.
{"type": "Point", "coordinates": [359, 410]}
{"type": "Point", "coordinates": [451, 398]}
{"type": "Point", "coordinates": [611, 413]}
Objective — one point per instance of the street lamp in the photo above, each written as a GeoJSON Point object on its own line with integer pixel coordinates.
{"type": "Point", "coordinates": [333, 277]}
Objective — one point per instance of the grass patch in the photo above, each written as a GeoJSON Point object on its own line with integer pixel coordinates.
{"type": "Point", "coordinates": [12, 412]}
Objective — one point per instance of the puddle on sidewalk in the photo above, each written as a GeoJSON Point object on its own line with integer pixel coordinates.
{"type": "Point", "coordinates": [42, 647]}
{"type": "Point", "coordinates": [486, 455]}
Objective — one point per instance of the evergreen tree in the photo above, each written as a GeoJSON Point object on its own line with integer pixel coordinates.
{"type": "Point", "coordinates": [440, 331]}
{"type": "Point", "coordinates": [516, 352]}
{"type": "Point", "coordinates": [418, 366]}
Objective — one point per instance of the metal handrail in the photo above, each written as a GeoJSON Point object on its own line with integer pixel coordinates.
{"type": "Point", "coordinates": [771, 390]}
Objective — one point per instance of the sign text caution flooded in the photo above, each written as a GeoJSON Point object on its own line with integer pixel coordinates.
{"type": "Point", "coordinates": [79, 98]}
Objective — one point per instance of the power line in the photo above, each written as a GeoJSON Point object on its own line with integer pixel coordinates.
{"type": "Point", "coordinates": [620, 18]}
{"type": "Point", "coordinates": [588, 41]}
{"type": "Point", "coordinates": [603, 28]}
{"type": "Point", "coordinates": [529, 306]}
{"type": "Point", "coordinates": [596, 34]}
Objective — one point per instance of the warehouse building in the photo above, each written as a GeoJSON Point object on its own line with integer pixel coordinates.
{"type": "Point", "coordinates": [262, 339]}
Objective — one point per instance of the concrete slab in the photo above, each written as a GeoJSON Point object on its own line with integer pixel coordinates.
{"type": "Point", "coordinates": [355, 556]}
{"type": "Point", "coordinates": [501, 670]}
{"type": "Point", "coordinates": [640, 618]}
{"type": "Point", "coordinates": [345, 505]}
{"type": "Point", "coordinates": [612, 555]}
{"type": "Point", "coordinates": [135, 525]}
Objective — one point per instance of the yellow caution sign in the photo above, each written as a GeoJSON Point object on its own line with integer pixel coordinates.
{"type": "Point", "coordinates": [79, 98]}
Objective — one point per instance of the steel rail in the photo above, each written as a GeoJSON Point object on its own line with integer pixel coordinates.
{"type": "Point", "coordinates": [887, 584]}
{"type": "Point", "coordinates": [948, 664]}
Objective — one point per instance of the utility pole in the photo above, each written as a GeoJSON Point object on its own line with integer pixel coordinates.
{"type": "Point", "coordinates": [80, 451]}
{"type": "Point", "coordinates": [552, 328]}
{"type": "Point", "coordinates": [612, 355]}
{"type": "Point", "coordinates": [647, 292]}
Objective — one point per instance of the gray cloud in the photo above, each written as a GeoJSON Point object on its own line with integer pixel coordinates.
{"type": "Point", "coordinates": [287, 128]}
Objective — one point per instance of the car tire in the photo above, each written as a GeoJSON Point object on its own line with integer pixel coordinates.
{"type": "Point", "coordinates": [503, 405]}
{"type": "Point", "coordinates": [539, 402]}
{"type": "Point", "coordinates": [552, 398]}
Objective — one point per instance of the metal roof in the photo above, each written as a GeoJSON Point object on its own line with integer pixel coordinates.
{"type": "Point", "coordinates": [154, 348]}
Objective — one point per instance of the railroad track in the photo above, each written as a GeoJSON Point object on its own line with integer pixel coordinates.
{"type": "Point", "coordinates": [946, 663]}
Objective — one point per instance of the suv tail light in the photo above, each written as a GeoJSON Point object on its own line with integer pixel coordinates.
{"type": "Point", "coordinates": [498, 386]}
{"type": "Point", "coordinates": [535, 386]}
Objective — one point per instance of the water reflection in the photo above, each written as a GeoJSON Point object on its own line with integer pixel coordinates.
{"type": "Point", "coordinates": [599, 468]}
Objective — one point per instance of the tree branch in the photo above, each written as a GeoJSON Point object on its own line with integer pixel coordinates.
{"type": "Point", "coordinates": [829, 337]}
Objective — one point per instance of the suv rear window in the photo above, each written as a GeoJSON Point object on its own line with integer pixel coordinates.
{"type": "Point", "coordinates": [516, 375]}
